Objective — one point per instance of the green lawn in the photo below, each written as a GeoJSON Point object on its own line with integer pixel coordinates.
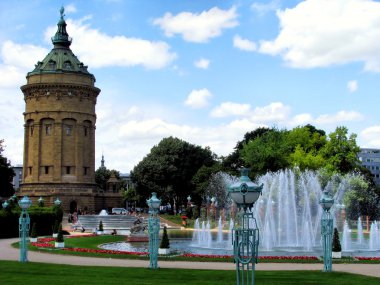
{"type": "Point", "coordinates": [12, 272]}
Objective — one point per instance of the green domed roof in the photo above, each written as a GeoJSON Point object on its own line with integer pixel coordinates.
{"type": "Point", "coordinates": [60, 59]}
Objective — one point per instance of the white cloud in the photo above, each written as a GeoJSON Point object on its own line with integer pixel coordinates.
{"type": "Point", "coordinates": [198, 98]}
{"type": "Point", "coordinates": [101, 50]}
{"type": "Point", "coordinates": [301, 119]}
{"type": "Point", "coordinates": [262, 9]}
{"type": "Point", "coordinates": [274, 112]}
{"type": "Point", "coordinates": [319, 33]}
{"type": "Point", "coordinates": [230, 109]}
{"type": "Point", "coordinates": [352, 86]}
{"type": "Point", "coordinates": [371, 136]}
{"type": "Point", "coordinates": [341, 116]}
{"type": "Point", "coordinates": [199, 28]}
{"type": "Point", "coordinates": [244, 44]}
{"type": "Point", "coordinates": [202, 63]}
{"type": "Point", "coordinates": [71, 8]}
{"type": "Point", "coordinates": [16, 61]}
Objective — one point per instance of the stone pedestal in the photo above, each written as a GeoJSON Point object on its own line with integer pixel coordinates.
{"type": "Point", "coordinates": [138, 238]}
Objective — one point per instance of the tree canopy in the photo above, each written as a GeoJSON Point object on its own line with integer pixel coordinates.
{"type": "Point", "coordinates": [169, 168]}
{"type": "Point", "coordinates": [103, 174]}
{"type": "Point", "coordinates": [304, 147]}
{"type": "Point", "coordinates": [6, 174]}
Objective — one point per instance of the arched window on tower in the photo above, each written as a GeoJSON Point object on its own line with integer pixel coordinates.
{"type": "Point", "coordinates": [52, 65]}
{"type": "Point", "coordinates": [67, 65]}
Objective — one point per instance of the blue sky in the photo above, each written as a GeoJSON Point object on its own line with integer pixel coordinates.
{"type": "Point", "coordinates": [203, 71]}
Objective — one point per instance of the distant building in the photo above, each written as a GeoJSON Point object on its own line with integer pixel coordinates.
{"type": "Point", "coordinates": [127, 178]}
{"type": "Point", "coordinates": [370, 159]}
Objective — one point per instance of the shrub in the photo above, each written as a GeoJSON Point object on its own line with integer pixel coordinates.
{"type": "Point", "coordinates": [9, 220]}
{"type": "Point", "coordinates": [34, 233]}
{"type": "Point", "coordinates": [165, 239]}
{"type": "Point", "coordinates": [60, 234]}
{"type": "Point", "coordinates": [56, 227]}
{"type": "Point", "coordinates": [100, 226]}
{"type": "Point", "coordinates": [336, 247]}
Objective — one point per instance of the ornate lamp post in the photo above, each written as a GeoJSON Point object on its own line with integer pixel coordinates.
{"type": "Point", "coordinates": [5, 204]}
{"type": "Point", "coordinates": [57, 202]}
{"type": "Point", "coordinates": [326, 230]}
{"type": "Point", "coordinates": [246, 237]}
{"type": "Point", "coordinates": [40, 202]}
{"type": "Point", "coordinates": [153, 229]}
{"type": "Point", "coordinates": [24, 225]}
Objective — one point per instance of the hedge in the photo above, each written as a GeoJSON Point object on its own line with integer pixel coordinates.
{"type": "Point", "coordinates": [43, 216]}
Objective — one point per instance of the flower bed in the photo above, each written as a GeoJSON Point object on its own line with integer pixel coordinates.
{"type": "Point", "coordinates": [367, 258]}
{"type": "Point", "coordinates": [47, 243]}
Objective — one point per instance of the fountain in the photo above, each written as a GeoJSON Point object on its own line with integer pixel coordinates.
{"type": "Point", "coordinates": [288, 212]}
{"type": "Point", "coordinates": [346, 237]}
{"type": "Point", "coordinates": [374, 236]}
{"type": "Point", "coordinates": [103, 213]}
{"type": "Point", "coordinates": [288, 215]}
{"type": "Point", "coordinates": [360, 239]}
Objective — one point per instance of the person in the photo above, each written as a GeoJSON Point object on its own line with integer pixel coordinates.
{"type": "Point", "coordinates": [83, 229]}
{"type": "Point", "coordinates": [114, 232]}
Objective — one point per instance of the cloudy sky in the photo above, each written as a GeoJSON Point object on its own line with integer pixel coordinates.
{"type": "Point", "coordinates": [203, 71]}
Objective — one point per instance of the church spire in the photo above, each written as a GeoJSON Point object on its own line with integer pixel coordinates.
{"type": "Point", "coordinates": [61, 37]}
{"type": "Point", "coordinates": [102, 162]}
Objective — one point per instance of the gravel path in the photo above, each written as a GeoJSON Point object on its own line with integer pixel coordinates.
{"type": "Point", "coordinates": [7, 252]}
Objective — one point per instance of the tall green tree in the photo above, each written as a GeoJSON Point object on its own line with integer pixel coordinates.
{"type": "Point", "coordinates": [268, 152]}
{"type": "Point", "coordinates": [6, 174]}
{"type": "Point", "coordinates": [305, 144]}
{"type": "Point", "coordinates": [234, 161]}
{"type": "Point", "coordinates": [103, 174]}
{"type": "Point", "coordinates": [169, 169]}
{"type": "Point", "coordinates": [341, 151]}
{"type": "Point", "coordinates": [361, 199]}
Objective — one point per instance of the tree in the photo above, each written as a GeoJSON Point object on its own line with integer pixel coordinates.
{"type": "Point", "coordinates": [102, 175]}
{"type": "Point", "coordinates": [234, 161]}
{"type": "Point", "coordinates": [341, 151]}
{"type": "Point", "coordinates": [165, 239]}
{"type": "Point", "coordinates": [268, 152]}
{"type": "Point", "coordinates": [360, 199]}
{"type": "Point", "coordinates": [59, 237]}
{"type": "Point", "coordinates": [336, 246]}
{"type": "Point", "coordinates": [169, 168]}
{"type": "Point", "coordinates": [6, 174]}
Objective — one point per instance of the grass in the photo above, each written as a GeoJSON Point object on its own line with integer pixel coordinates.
{"type": "Point", "coordinates": [12, 272]}
{"type": "Point", "coordinates": [176, 219]}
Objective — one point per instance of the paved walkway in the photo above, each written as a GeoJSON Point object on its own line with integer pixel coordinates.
{"type": "Point", "coordinates": [7, 252]}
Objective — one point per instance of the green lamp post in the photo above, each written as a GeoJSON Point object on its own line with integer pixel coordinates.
{"type": "Point", "coordinates": [153, 229]}
{"type": "Point", "coordinates": [246, 236]}
{"type": "Point", "coordinates": [5, 204]}
{"type": "Point", "coordinates": [24, 225]}
{"type": "Point", "coordinates": [41, 202]}
{"type": "Point", "coordinates": [326, 230]}
{"type": "Point", "coordinates": [57, 202]}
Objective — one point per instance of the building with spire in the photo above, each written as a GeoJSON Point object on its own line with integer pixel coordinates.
{"type": "Point", "coordinates": [59, 138]}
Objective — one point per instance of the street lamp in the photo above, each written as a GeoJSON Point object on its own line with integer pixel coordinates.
{"type": "Point", "coordinates": [40, 202]}
{"type": "Point", "coordinates": [153, 229]}
{"type": "Point", "coordinates": [246, 237]}
{"type": "Point", "coordinates": [24, 225]}
{"type": "Point", "coordinates": [57, 202]}
{"type": "Point", "coordinates": [326, 230]}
